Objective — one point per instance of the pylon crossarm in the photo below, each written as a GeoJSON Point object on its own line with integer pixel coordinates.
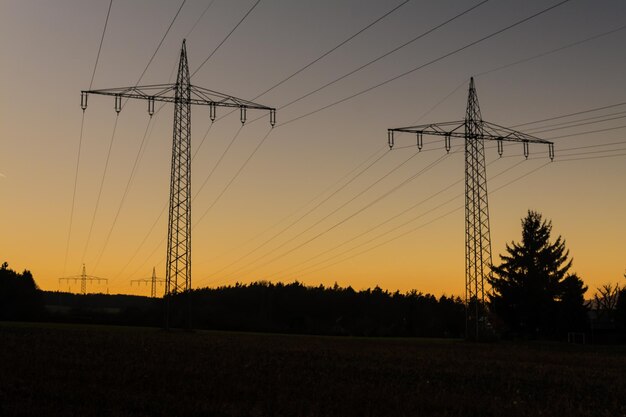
{"type": "Point", "coordinates": [167, 93]}
{"type": "Point", "coordinates": [223, 100]}
{"type": "Point", "coordinates": [488, 132]}
{"type": "Point", "coordinates": [158, 92]}
{"type": "Point", "coordinates": [72, 277]}
{"type": "Point", "coordinates": [492, 131]}
{"type": "Point", "coordinates": [84, 276]}
{"type": "Point", "coordinates": [447, 129]}
{"type": "Point", "coordinates": [438, 129]}
{"type": "Point", "coordinates": [95, 278]}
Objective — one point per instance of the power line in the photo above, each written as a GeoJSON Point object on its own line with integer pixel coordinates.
{"type": "Point", "coordinates": [305, 214]}
{"type": "Point", "coordinates": [456, 197]}
{"type": "Point", "coordinates": [226, 38]}
{"type": "Point", "coordinates": [241, 168]}
{"type": "Point", "coordinates": [588, 132]}
{"type": "Point", "coordinates": [126, 189]}
{"type": "Point", "coordinates": [163, 104]}
{"type": "Point", "coordinates": [376, 246]}
{"type": "Point", "coordinates": [136, 252]}
{"type": "Point", "coordinates": [106, 21]}
{"type": "Point", "coordinates": [380, 244]}
{"type": "Point", "coordinates": [484, 38]}
{"type": "Point", "coordinates": [405, 44]}
{"type": "Point", "coordinates": [147, 258]}
{"type": "Point", "coordinates": [199, 19]}
{"type": "Point", "coordinates": [178, 276]}
{"type": "Point", "coordinates": [143, 241]}
{"type": "Point", "coordinates": [69, 232]}
{"type": "Point", "coordinates": [80, 140]}
{"type": "Point", "coordinates": [579, 158]}
{"type": "Point", "coordinates": [596, 152]}
{"type": "Point", "coordinates": [592, 146]}
{"type": "Point", "coordinates": [104, 172]}
{"type": "Point", "coordinates": [160, 43]}
{"type": "Point", "coordinates": [202, 141]}
{"type": "Point", "coordinates": [420, 36]}
{"type": "Point", "coordinates": [332, 185]}
{"type": "Point", "coordinates": [319, 58]}
{"type": "Point", "coordinates": [560, 151]}
{"type": "Point", "coordinates": [333, 49]}
{"type": "Point", "coordinates": [569, 126]}
{"type": "Point", "coordinates": [420, 226]}
{"type": "Point", "coordinates": [552, 51]}
{"type": "Point", "coordinates": [569, 123]}
{"type": "Point", "coordinates": [273, 237]}
{"type": "Point", "coordinates": [111, 143]}
{"type": "Point", "coordinates": [405, 182]}
{"type": "Point", "coordinates": [593, 152]}
{"type": "Point", "coordinates": [592, 157]}
{"type": "Point", "coordinates": [610, 106]}
{"type": "Point", "coordinates": [448, 95]}
{"type": "Point", "coordinates": [163, 210]}
{"type": "Point", "coordinates": [217, 164]}
{"type": "Point", "coordinates": [138, 157]}
{"type": "Point", "coordinates": [391, 218]}
{"type": "Point", "coordinates": [319, 195]}
{"type": "Point", "coordinates": [333, 212]}
{"type": "Point", "coordinates": [439, 206]}
{"type": "Point", "coordinates": [541, 55]}
{"type": "Point", "coordinates": [475, 131]}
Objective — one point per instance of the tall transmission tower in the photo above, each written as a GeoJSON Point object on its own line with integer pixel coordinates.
{"type": "Point", "coordinates": [475, 131]}
{"type": "Point", "coordinates": [83, 278]}
{"type": "Point", "coordinates": [152, 281]}
{"type": "Point", "coordinates": [183, 94]}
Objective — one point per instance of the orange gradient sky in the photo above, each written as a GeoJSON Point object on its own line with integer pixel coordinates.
{"type": "Point", "coordinates": [49, 50]}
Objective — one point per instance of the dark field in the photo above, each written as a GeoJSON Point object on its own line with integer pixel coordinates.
{"type": "Point", "coordinates": [57, 370]}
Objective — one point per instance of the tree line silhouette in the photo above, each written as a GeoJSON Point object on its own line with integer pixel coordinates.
{"type": "Point", "coordinates": [533, 295]}
{"type": "Point", "coordinates": [20, 298]}
{"type": "Point", "coordinates": [296, 308]}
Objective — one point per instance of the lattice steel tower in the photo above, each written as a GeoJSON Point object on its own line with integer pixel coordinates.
{"type": "Point", "coordinates": [83, 278]}
{"type": "Point", "coordinates": [183, 94]}
{"type": "Point", "coordinates": [178, 264]}
{"type": "Point", "coordinates": [152, 281]}
{"type": "Point", "coordinates": [477, 235]}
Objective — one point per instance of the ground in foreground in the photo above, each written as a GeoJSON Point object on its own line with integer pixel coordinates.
{"type": "Point", "coordinates": [57, 370]}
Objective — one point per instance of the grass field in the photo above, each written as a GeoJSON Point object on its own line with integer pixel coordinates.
{"type": "Point", "coordinates": [68, 370]}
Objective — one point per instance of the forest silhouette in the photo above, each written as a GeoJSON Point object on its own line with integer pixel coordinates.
{"type": "Point", "coordinates": [534, 296]}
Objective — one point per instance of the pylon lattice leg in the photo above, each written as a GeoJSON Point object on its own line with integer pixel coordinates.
{"type": "Point", "coordinates": [477, 234]}
{"type": "Point", "coordinates": [178, 268]}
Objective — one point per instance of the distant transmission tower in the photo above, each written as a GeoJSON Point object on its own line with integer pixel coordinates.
{"type": "Point", "coordinates": [183, 94]}
{"type": "Point", "coordinates": [83, 278]}
{"type": "Point", "coordinates": [152, 281]}
{"type": "Point", "coordinates": [475, 131]}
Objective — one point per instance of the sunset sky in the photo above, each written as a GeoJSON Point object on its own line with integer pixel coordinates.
{"type": "Point", "coordinates": [301, 180]}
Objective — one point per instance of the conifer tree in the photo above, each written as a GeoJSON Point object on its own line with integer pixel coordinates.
{"type": "Point", "coordinates": [533, 292]}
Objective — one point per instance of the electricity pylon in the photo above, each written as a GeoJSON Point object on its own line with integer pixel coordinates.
{"type": "Point", "coordinates": [475, 131]}
{"type": "Point", "coordinates": [83, 278]}
{"type": "Point", "coordinates": [183, 94]}
{"type": "Point", "coordinates": [152, 281]}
